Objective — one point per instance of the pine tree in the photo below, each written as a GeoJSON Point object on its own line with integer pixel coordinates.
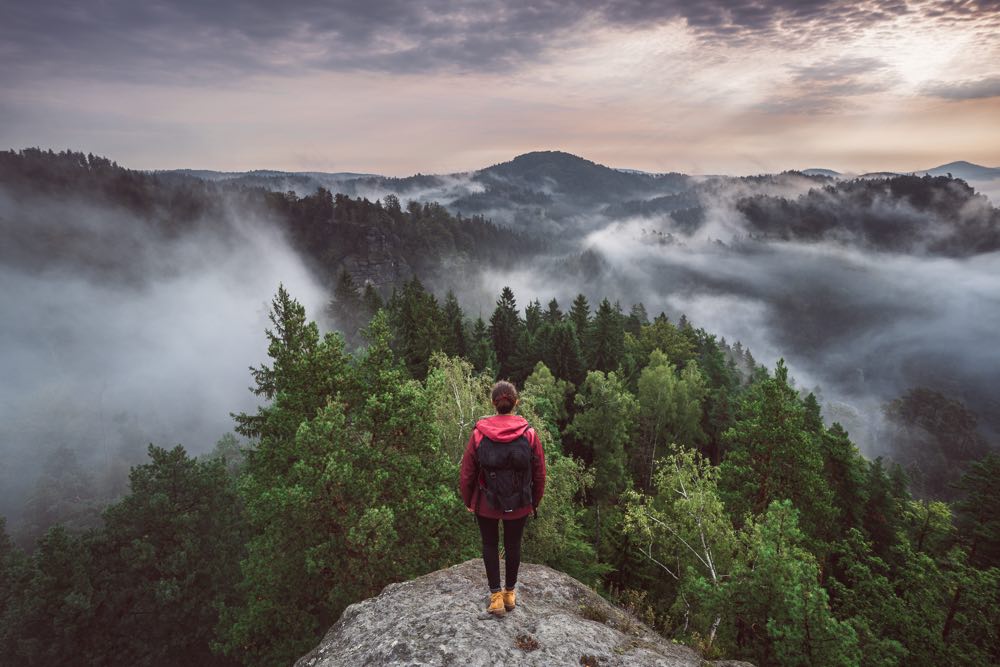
{"type": "Point", "coordinates": [481, 353]}
{"type": "Point", "coordinates": [664, 336]}
{"type": "Point", "coordinates": [553, 314]}
{"type": "Point", "coordinates": [845, 471]}
{"type": "Point", "coordinates": [579, 315]}
{"type": "Point", "coordinates": [533, 316]}
{"type": "Point", "coordinates": [170, 548]}
{"type": "Point", "coordinates": [52, 621]}
{"type": "Point", "coordinates": [605, 340]}
{"type": "Point", "coordinates": [882, 516]}
{"type": "Point", "coordinates": [771, 456]}
{"type": "Point", "coordinates": [346, 308]}
{"type": "Point", "coordinates": [561, 352]}
{"type": "Point", "coordinates": [365, 498]}
{"type": "Point", "coordinates": [505, 328]}
{"type": "Point", "coordinates": [300, 358]}
{"type": "Point", "coordinates": [784, 614]}
{"type": "Point", "coordinates": [977, 514]}
{"type": "Point", "coordinates": [637, 319]}
{"type": "Point", "coordinates": [418, 327]}
{"type": "Point", "coordinates": [454, 327]}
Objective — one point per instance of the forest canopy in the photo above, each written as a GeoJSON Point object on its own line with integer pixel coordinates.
{"type": "Point", "coordinates": [683, 475]}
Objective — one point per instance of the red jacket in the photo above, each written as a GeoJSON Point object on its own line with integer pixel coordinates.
{"type": "Point", "coordinates": [499, 428]}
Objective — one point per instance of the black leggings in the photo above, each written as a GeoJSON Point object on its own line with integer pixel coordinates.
{"type": "Point", "coordinates": [513, 529]}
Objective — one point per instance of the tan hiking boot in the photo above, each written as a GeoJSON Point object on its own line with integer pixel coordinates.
{"type": "Point", "coordinates": [509, 598]}
{"type": "Point", "coordinates": [496, 604]}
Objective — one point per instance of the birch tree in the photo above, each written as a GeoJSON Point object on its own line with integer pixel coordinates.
{"type": "Point", "coordinates": [688, 535]}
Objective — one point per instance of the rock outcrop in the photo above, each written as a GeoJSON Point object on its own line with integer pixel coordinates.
{"type": "Point", "coordinates": [440, 619]}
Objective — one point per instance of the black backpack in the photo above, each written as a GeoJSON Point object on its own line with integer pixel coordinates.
{"type": "Point", "coordinates": [507, 471]}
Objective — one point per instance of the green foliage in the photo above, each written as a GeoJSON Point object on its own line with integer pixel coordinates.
{"type": "Point", "coordinates": [458, 397]}
{"type": "Point", "coordinates": [670, 410]}
{"type": "Point", "coordinates": [940, 436]}
{"type": "Point", "coordinates": [300, 358]}
{"type": "Point", "coordinates": [978, 512]}
{"type": "Point", "coordinates": [845, 471]}
{"type": "Point", "coordinates": [346, 308]}
{"type": "Point", "coordinates": [783, 613]}
{"type": "Point", "coordinates": [169, 549]}
{"type": "Point", "coordinates": [363, 495]}
{"type": "Point", "coordinates": [683, 528]}
{"type": "Point", "coordinates": [547, 396]}
{"type": "Point", "coordinates": [13, 570]}
{"type": "Point", "coordinates": [862, 594]}
{"type": "Point", "coordinates": [230, 451]}
{"type": "Point", "coordinates": [561, 351]}
{"type": "Point", "coordinates": [605, 339]}
{"type": "Point", "coordinates": [455, 343]}
{"type": "Point", "coordinates": [63, 494]}
{"type": "Point", "coordinates": [759, 534]}
{"type": "Point", "coordinates": [418, 325]}
{"type": "Point", "coordinates": [603, 421]}
{"type": "Point", "coordinates": [52, 616]}
{"type": "Point", "coordinates": [552, 314]}
{"type": "Point", "coordinates": [481, 352]}
{"type": "Point", "coordinates": [505, 330]}
{"type": "Point", "coordinates": [579, 315]}
{"type": "Point", "coordinates": [882, 517]}
{"type": "Point", "coordinates": [670, 340]}
{"type": "Point", "coordinates": [772, 457]}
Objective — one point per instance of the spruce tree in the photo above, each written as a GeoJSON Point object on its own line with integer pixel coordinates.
{"type": "Point", "coordinates": [346, 308]}
{"type": "Point", "coordinates": [533, 316]}
{"type": "Point", "coordinates": [605, 339]}
{"type": "Point", "coordinates": [978, 512]}
{"type": "Point", "coordinates": [579, 315]}
{"type": "Point", "coordinates": [637, 319]}
{"type": "Point", "coordinates": [772, 457]}
{"type": "Point", "coordinates": [372, 302]}
{"type": "Point", "coordinates": [481, 353]}
{"type": "Point", "coordinates": [454, 327]}
{"type": "Point", "coordinates": [505, 329]}
{"type": "Point", "coordinates": [552, 314]}
{"type": "Point", "coordinates": [418, 327]}
{"type": "Point", "coordinates": [561, 352]}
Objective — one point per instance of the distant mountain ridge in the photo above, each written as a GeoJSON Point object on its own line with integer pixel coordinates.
{"type": "Point", "coordinates": [967, 171]}
{"type": "Point", "coordinates": [557, 194]}
{"type": "Point", "coordinates": [556, 169]}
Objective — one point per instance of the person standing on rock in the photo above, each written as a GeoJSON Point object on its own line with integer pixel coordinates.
{"type": "Point", "coordinates": [502, 479]}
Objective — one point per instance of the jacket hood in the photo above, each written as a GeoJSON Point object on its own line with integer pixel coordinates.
{"type": "Point", "coordinates": [502, 428]}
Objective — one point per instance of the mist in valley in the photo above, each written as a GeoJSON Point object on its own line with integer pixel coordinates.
{"type": "Point", "coordinates": [121, 329]}
{"type": "Point", "coordinates": [860, 322]}
{"type": "Point", "coordinates": [117, 335]}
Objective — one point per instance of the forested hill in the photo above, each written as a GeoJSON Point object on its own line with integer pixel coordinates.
{"type": "Point", "coordinates": [718, 499]}
{"type": "Point", "coordinates": [688, 484]}
{"type": "Point", "coordinates": [80, 210]}
{"type": "Point", "coordinates": [907, 214]}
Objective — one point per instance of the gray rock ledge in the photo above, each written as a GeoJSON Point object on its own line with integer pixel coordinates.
{"type": "Point", "coordinates": [441, 619]}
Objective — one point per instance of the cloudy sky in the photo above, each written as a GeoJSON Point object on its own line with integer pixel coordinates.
{"type": "Point", "coordinates": [398, 86]}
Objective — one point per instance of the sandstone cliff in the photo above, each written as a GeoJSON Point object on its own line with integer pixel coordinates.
{"type": "Point", "coordinates": [440, 619]}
